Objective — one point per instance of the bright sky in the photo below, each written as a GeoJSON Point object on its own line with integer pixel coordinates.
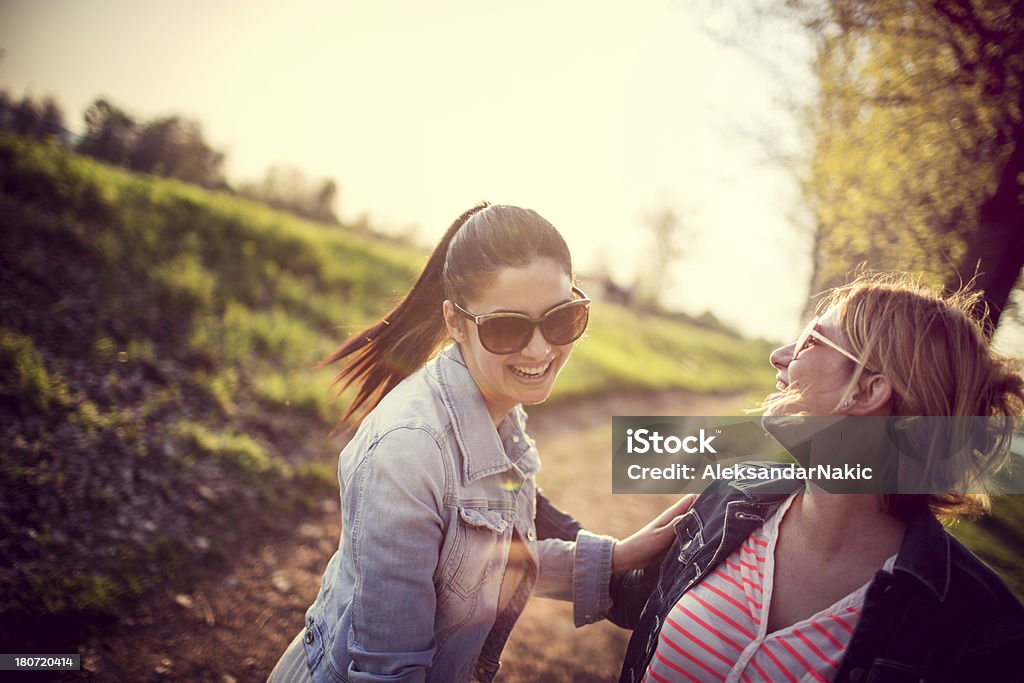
{"type": "Point", "coordinates": [594, 113]}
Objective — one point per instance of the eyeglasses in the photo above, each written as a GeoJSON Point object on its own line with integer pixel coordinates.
{"type": "Point", "coordinates": [810, 332]}
{"type": "Point", "coordinates": [507, 332]}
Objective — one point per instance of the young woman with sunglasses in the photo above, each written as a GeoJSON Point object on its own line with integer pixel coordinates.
{"type": "Point", "coordinates": [444, 533]}
{"type": "Point", "coordinates": [769, 581]}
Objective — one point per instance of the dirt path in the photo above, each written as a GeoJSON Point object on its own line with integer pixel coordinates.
{"type": "Point", "coordinates": [233, 627]}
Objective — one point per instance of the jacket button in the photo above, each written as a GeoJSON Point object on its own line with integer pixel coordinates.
{"type": "Point", "coordinates": [856, 674]}
{"type": "Point", "coordinates": [532, 535]}
{"type": "Point", "coordinates": [309, 635]}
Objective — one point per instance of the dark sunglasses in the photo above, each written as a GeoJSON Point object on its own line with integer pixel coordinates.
{"type": "Point", "coordinates": [506, 332]}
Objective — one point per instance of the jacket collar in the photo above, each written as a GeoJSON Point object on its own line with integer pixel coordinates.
{"type": "Point", "coordinates": [767, 491]}
{"type": "Point", "coordinates": [925, 554]}
{"type": "Point", "coordinates": [483, 453]}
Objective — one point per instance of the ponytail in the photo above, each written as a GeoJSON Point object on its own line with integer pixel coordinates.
{"type": "Point", "coordinates": [377, 358]}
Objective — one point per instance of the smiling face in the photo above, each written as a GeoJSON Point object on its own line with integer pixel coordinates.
{"type": "Point", "coordinates": [815, 377]}
{"type": "Point", "coordinates": [527, 376]}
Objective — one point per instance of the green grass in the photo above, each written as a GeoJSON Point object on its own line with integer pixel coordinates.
{"type": "Point", "coordinates": [226, 282]}
{"type": "Point", "coordinates": [999, 539]}
{"type": "Point", "coordinates": [25, 379]}
{"type": "Point", "coordinates": [157, 345]}
{"type": "Point", "coordinates": [625, 350]}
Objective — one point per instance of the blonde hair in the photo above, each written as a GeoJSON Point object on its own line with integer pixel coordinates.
{"type": "Point", "coordinates": [934, 349]}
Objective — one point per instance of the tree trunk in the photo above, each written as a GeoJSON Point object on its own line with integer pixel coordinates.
{"type": "Point", "coordinates": [996, 248]}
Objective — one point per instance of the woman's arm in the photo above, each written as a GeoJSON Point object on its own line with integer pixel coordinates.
{"type": "Point", "coordinates": [647, 544]}
{"type": "Point", "coordinates": [395, 500]}
{"type": "Point", "coordinates": [581, 570]}
{"type": "Point", "coordinates": [638, 563]}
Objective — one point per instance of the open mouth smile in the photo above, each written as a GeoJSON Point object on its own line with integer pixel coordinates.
{"type": "Point", "coordinates": [531, 372]}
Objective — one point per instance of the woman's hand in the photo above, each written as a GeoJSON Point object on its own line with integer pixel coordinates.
{"type": "Point", "coordinates": [640, 549]}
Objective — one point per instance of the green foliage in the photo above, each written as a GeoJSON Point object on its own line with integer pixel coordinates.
{"type": "Point", "coordinates": [24, 380]}
{"type": "Point", "coordinates": [170, 146]}
{"type": "Point", "coordinates": [81, 592]}
{"type": "Point", "coordinates": [998, 539]}
{"type": "Point", "coordinates": [295, 392]}
{"type": "Point", "coordinates": [317, 473]}
{"type": "Point", "coordinates": [239, 451]}
{"type": "Point", "coordinates": [41, 119]}
{"type": "Point", "coordinates": [917, 115]}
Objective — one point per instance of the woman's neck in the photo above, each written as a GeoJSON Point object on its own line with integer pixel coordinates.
{"type": "Point", "coordinates": [840, 523]}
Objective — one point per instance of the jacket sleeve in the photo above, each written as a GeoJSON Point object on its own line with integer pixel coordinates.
{"type": "Point", "coordinates": [395, 500]}
{"type": "Point", "coordinates": [575, 564]}
{"type": "Point", "coordinates": [553, 523]}
{"type": "Point", "coordinates": [630, 591]}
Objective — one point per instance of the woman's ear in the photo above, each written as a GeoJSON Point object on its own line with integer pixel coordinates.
{"type": "Point", "coordinates": [453, 322]}
{"type": "Point", "coordinates": [873, 397]}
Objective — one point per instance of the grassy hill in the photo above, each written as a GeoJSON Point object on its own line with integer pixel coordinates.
{"type": "Point", "coordinates": [158, 405]}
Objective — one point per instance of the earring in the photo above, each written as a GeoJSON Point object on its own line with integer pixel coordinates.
{"type": "Point", "coordinates": [846, 403]}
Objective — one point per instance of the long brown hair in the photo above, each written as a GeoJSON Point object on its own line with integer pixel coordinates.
{"type": "Point", "coordinates": [480, 242]}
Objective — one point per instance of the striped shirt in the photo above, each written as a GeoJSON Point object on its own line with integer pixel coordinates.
{"type": "Point", "coordinates": [718, 629]}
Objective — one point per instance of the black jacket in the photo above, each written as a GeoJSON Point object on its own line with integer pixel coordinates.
{"type": "Point", "coordinates": [941, 615]}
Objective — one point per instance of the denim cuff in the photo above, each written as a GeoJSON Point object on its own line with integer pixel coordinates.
{"type": "Point", "coordinates": [592, 571]}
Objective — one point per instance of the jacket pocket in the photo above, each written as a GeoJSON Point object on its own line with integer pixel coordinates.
{"type": "Point", "coordinates": [477, 534]}
{"type": "Point", "coordinates": [690, 535]}
{"type": "Point", "coordinates": [484, 518]}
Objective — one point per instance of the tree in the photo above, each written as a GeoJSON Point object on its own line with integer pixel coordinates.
{"type": "Point", "coordinates": [288, 188]}
{"type": "Point", "coordinates": [51, 120]}
{"type": "Point", "coordinates": [667, 232]}
{"type": "Point", "coordinates": [169, 146]}
{"type": "Point", "coordinates": [109, 132]}
{"type": "Point", "coordinates": [38, 119]}
{"type": "Point", "coordinates": [175, 147]}
{"type": "Point", "coordinates": [918, 153]}
{"type": "Point", "coordinates": [323, 208]}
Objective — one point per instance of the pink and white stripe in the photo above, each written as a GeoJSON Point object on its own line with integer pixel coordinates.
{"type": "Point", "coordinates": [717, 631]}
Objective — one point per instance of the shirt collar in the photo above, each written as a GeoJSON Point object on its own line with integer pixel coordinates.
{"type": "Point", "coordinates": [483, 453]}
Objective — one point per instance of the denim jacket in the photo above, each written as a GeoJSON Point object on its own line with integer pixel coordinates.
{"type": "Point", "coordinates": [431, 495]}
{"type": "Point", "coordinates": [941, 615]}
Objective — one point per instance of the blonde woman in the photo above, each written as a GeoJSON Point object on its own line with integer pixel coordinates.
{"type": "Point", "coordinates": [764, 584]}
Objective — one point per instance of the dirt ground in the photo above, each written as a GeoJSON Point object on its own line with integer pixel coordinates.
{"type": "Point", "coordinates": [233, 626]}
